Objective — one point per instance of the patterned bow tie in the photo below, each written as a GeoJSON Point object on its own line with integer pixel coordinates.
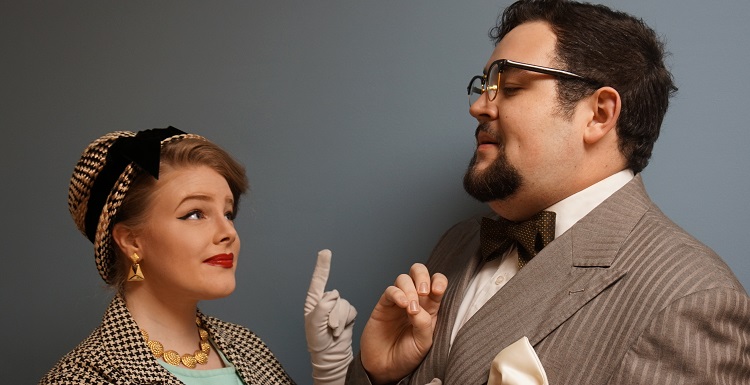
{"type": "Point", "coordinates": [495, 237]}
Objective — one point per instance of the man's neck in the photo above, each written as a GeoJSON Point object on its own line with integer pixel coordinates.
{"type": "Point", "coordinates": [519, 207]}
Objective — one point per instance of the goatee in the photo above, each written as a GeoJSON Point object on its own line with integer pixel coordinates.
{"type": "Point", "coordinates": [497, 181]}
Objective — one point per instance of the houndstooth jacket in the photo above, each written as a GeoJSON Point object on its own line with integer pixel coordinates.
{"type": "Point", "coordinates": [115, 353]}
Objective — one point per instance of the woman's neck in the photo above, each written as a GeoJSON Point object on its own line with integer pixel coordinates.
{"type": "Point", "coordinates": [168, 320]}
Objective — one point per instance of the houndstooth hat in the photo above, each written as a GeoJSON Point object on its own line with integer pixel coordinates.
{"type": "Point", "coordinates": [101, 180]}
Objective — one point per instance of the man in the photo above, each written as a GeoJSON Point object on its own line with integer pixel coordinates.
{"type": "Point", "coordinates": [569, 107]}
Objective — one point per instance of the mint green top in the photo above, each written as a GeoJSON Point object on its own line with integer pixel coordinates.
{"type": "Point", "coordinates": [224, 376]}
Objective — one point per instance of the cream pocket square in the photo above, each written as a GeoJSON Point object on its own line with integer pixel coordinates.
{"type": "Point", "coordinates": [517, 364]}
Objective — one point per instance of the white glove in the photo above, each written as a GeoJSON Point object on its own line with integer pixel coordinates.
{"type": "Point", "coordinates": [329, 323]}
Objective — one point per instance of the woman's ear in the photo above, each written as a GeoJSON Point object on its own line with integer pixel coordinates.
{"type": "Point", "coordinates": [125, 238]}
{"type": "Point", "coordinates": [605, 104]}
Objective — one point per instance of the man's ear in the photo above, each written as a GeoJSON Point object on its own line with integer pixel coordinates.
{"type": "Point", "coordinates": [125, 238]}
{"type": "Point", "coordinates": [605, 105]}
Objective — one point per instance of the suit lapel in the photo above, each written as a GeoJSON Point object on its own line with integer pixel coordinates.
{"type": "Point", "coordinates": [458, 259]}
{"type": "Point", "coordinates": [446, 319]}
{"type": "Point", "coordinates": [566, 275]}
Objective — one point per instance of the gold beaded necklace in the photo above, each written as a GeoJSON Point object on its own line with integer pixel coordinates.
{"type": "Point", "coordinates": [172, 357]}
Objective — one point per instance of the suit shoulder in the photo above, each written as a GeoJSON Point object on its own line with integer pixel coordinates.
{"type": "Point", "coordinates": [666, 244]}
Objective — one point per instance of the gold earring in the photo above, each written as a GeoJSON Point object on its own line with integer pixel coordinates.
{"type": "Point", "coordinates": [135, 271]}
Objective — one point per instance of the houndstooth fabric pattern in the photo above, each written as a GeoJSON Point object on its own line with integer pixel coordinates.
{"type": "Point", "coordinates": [115, 353]}
{"type": "Point", "coordinates": [88, 167]}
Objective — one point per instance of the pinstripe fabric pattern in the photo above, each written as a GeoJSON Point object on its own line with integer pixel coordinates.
{"type": "Point", "coordinates": [115, 353]}
{"type": "Point", "coordinates": [624, 297]}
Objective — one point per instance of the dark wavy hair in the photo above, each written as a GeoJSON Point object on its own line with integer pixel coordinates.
{"type": "Point", "coordinates": [612, 48]}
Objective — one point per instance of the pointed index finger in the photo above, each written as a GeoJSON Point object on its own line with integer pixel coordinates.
{"type": "Point", "coordinates": [320, 275]}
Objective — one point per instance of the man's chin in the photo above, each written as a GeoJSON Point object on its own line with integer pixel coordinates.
{"type": "Point", "coordinates": [478, 168]}
{"type": "Point", "coordinates": [489, 184]}
{"type": "Point", "coordinates": [479, 164]}
{"type": "Point", "coordinates": [481, 161]}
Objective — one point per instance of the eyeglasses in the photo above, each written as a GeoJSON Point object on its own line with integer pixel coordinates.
{"type": "Point", "coordinates": [490, 82]}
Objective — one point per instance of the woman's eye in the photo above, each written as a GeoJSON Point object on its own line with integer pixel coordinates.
{"type": "Point", "coordinates": [229, 215]}
{"type": "Point", "coordinates": [195, 214]}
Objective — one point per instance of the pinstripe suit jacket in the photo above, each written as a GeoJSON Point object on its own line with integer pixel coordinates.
{"type": "Point", "coordinates": [115, 353]}
{"type": "Point", "coordinates": [623, 297]}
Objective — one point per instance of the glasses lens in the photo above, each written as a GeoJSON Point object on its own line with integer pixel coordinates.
{"type": "Point", "coordinates": [493, 81]}
{"type": "Point", "coordinates": [475, 89]}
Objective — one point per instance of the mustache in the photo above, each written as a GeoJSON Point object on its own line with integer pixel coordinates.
{"type": "Point", "coordinates": [482, 127]}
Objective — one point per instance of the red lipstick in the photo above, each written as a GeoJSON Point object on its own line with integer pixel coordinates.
{"type": "Point", "coordinates": [221, 260]}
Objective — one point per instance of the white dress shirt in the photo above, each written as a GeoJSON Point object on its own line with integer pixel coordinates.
{"type": "Point", "coordinates": [496, 273]}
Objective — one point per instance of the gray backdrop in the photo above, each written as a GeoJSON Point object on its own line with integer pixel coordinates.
{"type": "Point", "coordinates": [352, 121]}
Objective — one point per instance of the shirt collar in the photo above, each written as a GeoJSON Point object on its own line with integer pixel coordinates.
{"type": "Point", "coordinates": [571, 209]}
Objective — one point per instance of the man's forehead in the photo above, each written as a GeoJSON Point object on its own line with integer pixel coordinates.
{"type": "Point", "coordinates": [532, 42]}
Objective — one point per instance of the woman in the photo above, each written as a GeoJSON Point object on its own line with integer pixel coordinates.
{"type": "Point", "coordinates": [159, 208]}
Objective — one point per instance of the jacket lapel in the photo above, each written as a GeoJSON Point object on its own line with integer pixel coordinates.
{"type": "Point", "coordinates": [131, 358]}
{"type": "Point", "coordinates": [446, 319]}
{"type": "Point", "coordinates": [561, 279]}
{"type": "Point", "coordinates": [132, 362]}
{"type": "Point", "coordinates": [458, 261]}
{"type": "Point", "coordinates": [225, 341]}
